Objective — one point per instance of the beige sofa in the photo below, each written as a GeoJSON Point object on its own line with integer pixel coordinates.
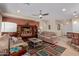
{"type": "Point", "coordinates": [49, 37]}
{"type": "Point", "coordinates": [4, 40]}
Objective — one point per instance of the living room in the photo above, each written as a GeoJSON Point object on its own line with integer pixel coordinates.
{"type": "Point", "coordinates": [39, 29]}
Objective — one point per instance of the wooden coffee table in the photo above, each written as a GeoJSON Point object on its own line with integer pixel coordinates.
{"type": "Point", "coordinates": [35, 42]}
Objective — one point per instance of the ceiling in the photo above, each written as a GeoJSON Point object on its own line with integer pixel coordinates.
{"type": "Point", "coordinates": [54, 9]}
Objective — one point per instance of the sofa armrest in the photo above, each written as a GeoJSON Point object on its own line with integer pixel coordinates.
{"type": "Point", "coordinates": [19, 44]}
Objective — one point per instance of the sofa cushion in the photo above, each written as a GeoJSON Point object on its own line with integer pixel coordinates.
{"type": "Point", "coordinates": [49, 34]}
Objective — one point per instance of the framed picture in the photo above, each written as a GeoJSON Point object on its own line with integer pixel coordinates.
{"type": "Point", "coordinates": [49, 27]}
{"type": "Point", "coordinates": [58, 27]}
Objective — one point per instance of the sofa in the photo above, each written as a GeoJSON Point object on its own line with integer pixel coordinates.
{"type": "Point", "coordinates": [49, 37]}
{"type": "Point", "coordinates": [4, 41]}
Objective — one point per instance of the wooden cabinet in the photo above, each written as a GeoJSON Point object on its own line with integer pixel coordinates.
{"type": "Point", "coordinates": [27, 31]}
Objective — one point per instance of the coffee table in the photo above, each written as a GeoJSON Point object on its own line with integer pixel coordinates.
{"type": "Point", "coordinates": [35, 42]}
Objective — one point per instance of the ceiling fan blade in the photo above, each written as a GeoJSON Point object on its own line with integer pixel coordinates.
{"type": "Point", "coordinates": [45, 14]}
{"type": "Point", "coordinates": [28, 4]}
{"type": "Point", "coordinates": [35, 15]}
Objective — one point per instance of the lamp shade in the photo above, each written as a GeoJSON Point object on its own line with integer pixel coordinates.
{"type": "Point", "coordinates": [8, 27]}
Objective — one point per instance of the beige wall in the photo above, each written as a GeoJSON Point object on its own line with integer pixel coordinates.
{"type": "Point", "coordinates": [66, 26]}
{"type": "Point", "coordinates": [44, 25]}
{"type": "Point", "coordinates": [59, 32]}
{"type": "Point", "coordinates": [53, 23]}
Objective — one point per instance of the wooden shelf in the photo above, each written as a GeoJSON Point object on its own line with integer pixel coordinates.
{"type": "Point", "coordinates": [27, 31]}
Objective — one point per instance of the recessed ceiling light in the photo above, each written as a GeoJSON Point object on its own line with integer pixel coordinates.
{"type": "Point", "coordinates": [18, 11]}
{"type": "Point", "coordinates": [74, 14]}
{"type": "Point", "coordinates": [64, 9]}
{"type": "Point", "coordinates": [75, 22]}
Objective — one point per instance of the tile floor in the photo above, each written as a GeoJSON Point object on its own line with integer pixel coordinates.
{"type": "Point", "coordinates": [69, 51]}
{"type": "Point", "coordinates": [62, 41]}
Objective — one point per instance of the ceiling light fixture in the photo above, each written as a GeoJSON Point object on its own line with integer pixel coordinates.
{"type": "Point", "coordinates": [40, 16]}
{"type": "Point", "coordinates": [75, 22]}
{"type": "Point", "coordinates": [18, 11]}
{"type": "Point", "coordinates": [64, 9]}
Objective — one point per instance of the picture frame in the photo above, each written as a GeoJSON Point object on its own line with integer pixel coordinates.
{"type": "Point", "coordinates": [58, 27]}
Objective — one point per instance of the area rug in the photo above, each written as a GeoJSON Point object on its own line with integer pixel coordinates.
{"type": "Point", "coordinates": [47, 50]}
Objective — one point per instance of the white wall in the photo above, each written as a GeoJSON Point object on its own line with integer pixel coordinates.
{"type": "Point", "coordinates": [71, 26]}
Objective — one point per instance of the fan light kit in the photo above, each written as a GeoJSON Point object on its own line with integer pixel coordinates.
{"type": "Point", "coordinates": [40, 15]}
{"type": "Point", "coordinates": [18, 11]}
{"type": "Point", "coordinates": [64, 9]}
{"type": "Point", "coordinates": [75, 14]}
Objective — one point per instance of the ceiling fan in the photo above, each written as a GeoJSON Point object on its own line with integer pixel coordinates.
{"type": "Point", "coordinates": [40, 15]}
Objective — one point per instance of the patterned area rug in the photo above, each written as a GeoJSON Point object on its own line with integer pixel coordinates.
{"type": "Point", "coordinates": [47, 50]}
